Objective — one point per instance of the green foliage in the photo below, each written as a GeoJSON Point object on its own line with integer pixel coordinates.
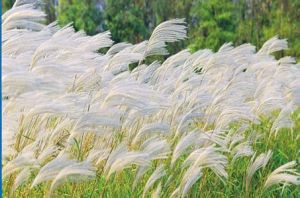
{"type": "Point", "coordinates": [284, 21]}
{"type": "Point", "coordinates": [284, 150]}
{"type": "Point", "coordinates": [133, 21]}
{"type": "Point", "coordinates": [261, 21]}
{"type": "Point", "coordinates": [7, 4]}
{"type": "Point", "coordinates": [83, 13]}
{"type": "Point", "coordinates": [213, 23]}
{"type": "Point", "coordinates": [125, 20]}
{"type": "Point", "coordinates": [49, 7]}
{"type": "Point", "coordinates": [162, 10]}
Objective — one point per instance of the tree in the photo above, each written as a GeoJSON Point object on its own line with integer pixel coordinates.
{"type": "Point", "coordinates": [125, 20]}
{"type": "Point", "coordinates": [264, 19]}
{"type": "Point", "coordinates": [284, 21]}
{"type": "Point", "coordinates": [85, 14]}
{"type": "Point", "coordinates": [212, 23]}
{"type": "Point", "coordinates": [134, 20]}
{"type": "Point", "coordinates": [162, 10]}
{"type": "Point", "coordinates": [50, 9]}
{"type": "Point", "coordinates": [7, 4]}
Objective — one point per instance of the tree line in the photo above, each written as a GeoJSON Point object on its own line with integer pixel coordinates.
{"type": "Point", "coordinates": [210, 22]}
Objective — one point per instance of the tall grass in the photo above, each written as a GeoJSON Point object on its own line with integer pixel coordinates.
{"type": "Point", "coordinates": [79, 123]}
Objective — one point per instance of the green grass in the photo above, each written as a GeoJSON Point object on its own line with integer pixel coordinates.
{"type": "Point", "coordinates": [285, 149]}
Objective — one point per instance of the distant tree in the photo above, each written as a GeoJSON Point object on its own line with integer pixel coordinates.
{"type": "Point", "coordinates": [210, 22]}
{"type": "Point", "coordinates": [283, 20]}
{"type": "Point", "coordinates": [7, 4]}
{"type": "Point", "coordinates": [170, 9]}
{"type": "Point", "coordinates": [85, 14]}
{"type": "Point", "coordinates": [134, 20]}
{"type": "Point", "coordinates": [213, 23]}
{"type": "Point", "coordinates": [50, 9]}
{"type": "Point", "coordinates": [125, 20]}
{"type": "Point", "coordinates": [266, 18]}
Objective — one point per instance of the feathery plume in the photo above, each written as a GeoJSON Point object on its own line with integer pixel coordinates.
{"type": "Point", "coordinates": [255, 164]}
{"type": "Point", "coordinates": [285, 174]}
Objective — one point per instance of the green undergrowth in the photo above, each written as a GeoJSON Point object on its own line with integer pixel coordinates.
{"type": "Point", "coordinates": [285, 147]}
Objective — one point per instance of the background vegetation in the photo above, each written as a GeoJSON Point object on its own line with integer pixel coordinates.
{"type": "Point", "coordinates": [211, 23]}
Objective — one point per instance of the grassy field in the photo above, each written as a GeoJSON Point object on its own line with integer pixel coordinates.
{"type": "Point", "coordinates": [80, 123]}
{"type": "Point", "coordinates": [285, 148]}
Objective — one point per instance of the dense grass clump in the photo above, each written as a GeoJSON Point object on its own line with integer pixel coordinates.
{"type": "Point", "coordinates": [79, 123]}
